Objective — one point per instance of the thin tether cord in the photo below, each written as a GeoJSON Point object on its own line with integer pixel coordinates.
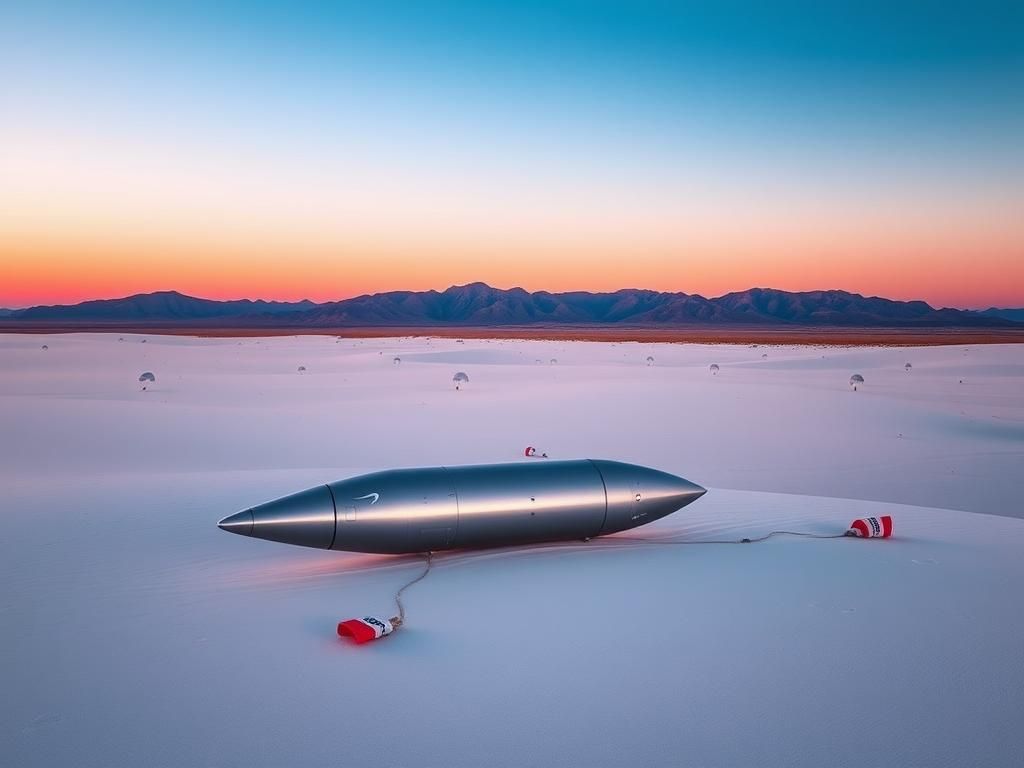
{"type": "Point", "coordinates": [398, 594]}
{"type": "Point", "coordinates": [397, 621]}
{"type": "Point", "coordinates": [747, 540]}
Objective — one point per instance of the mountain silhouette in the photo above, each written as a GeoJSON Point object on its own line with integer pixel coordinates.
{"type": "Point", "coordinates": [478, 304]}
{"type": "Point", "coordinates": [158, 306]}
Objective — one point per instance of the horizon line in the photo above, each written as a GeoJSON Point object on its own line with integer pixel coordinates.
{"type": "Point", "coordinates": [487, 285]}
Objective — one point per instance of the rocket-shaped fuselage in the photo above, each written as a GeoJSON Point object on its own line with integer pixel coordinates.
{"type": "Point", "coordinates": [492, 505]}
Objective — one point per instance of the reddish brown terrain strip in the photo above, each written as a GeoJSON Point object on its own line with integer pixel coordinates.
{"type": "Point", "coordinates": [894, 337]}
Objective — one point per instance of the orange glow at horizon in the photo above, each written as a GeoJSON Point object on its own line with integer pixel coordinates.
{"type": "Point", "coordinates": [942, 269]}
{"type": "Point", "coordinates": [87, 220]}
{"type": "Point", "coordinates": [67, 237]}
{"type": "Point", "coordinates": [289, 170]}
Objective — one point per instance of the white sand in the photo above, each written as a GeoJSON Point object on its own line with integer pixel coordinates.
{"type": "Point", "coordinates": [133, 632]}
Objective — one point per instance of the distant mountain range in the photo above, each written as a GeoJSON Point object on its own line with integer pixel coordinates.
{"type": "Point", "coordinates": [1017, 315]}
{"type": "Point", "coordinates": [160, 306]}
{"type": "Point", "coordinates": [478, 304]}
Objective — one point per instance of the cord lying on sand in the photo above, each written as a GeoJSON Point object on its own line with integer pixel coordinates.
{"type": "Point", "coordinates": [748, 540]}
{"type": "Point", "coordinates": [861, 528]}
{"type": "Point", "coordinates": [399, 620]}
{"type": "Point", "coordinates": [370, 628]}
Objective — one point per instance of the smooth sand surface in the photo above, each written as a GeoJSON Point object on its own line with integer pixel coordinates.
{"type": "Point", "coordinates": [137, 633]}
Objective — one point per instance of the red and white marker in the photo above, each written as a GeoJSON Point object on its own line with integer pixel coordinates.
{"type": "Point", "coordinates": [872, 527]}
{"type": "Point", "coordinates": [365, 629]}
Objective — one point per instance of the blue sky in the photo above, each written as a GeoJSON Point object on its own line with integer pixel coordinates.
{"type": "Point", "coordinates": [695, 113]}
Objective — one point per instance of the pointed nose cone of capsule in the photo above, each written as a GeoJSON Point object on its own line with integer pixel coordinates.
{"type": "Point", "coordinates": [668, 491]}
{"type": "Point", "coordinates": [639, 495]}
{"type": "Point", "coordinates": [688, 492]}
{"type": "Point", "coordinates": [305, 519]}
{"type": "Point", "coordinates": [240, 522]}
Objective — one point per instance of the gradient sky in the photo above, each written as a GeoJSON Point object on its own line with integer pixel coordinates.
{"type": "Point", "coordinates": [277, 151]}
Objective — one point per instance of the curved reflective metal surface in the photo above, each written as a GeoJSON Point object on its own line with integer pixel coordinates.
{"type": "Point", "coordinates": [501, 504]}
{"type": "Point", "coordinates": [638, 495]}
{"type": "Point", "coordinates": [305, 518]}
{"type": "Point", "coordinates": [400, 510]}
{"type": "Point", "coordinates": [240, 522]}
{"type": "Point", "coordinates": [435, 508]}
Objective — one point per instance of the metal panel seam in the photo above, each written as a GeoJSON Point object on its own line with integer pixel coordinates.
{"type": "Point", "coordinates": [334, 504]}
{"type": "Point", "coordinates": [604, 487]}
{"type": "Point", "coordinates": [455, 490]}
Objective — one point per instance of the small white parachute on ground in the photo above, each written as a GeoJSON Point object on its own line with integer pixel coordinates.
{"type": "Point", "coordinates": [856, 380]}
{"type": "Point", "coordinates": [302, 368]}
{"type": "Point", "coordinates": [907, 367]}
{"type": "Point", "coordinates": [554, 361]}
{"type": "Point", "coordinates": [396, 361]}
{"type": "Point", "coordinates": [45, 347]}
{"type": "Point", "coordinates": [650, 360]}
{"type": "Point", "coordinates": [146, 377]}
{"type": "Point", "coordinates": [459, 379]}
{"type": "Point", "coordinates": [714, 369]}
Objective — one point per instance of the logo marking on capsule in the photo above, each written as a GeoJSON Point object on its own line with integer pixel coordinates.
{"type": "Point", "coordinates": [371, 496]}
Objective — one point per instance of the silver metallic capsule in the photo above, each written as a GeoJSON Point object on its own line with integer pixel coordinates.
{"type": "Point", "coordinates": [491, 505]}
